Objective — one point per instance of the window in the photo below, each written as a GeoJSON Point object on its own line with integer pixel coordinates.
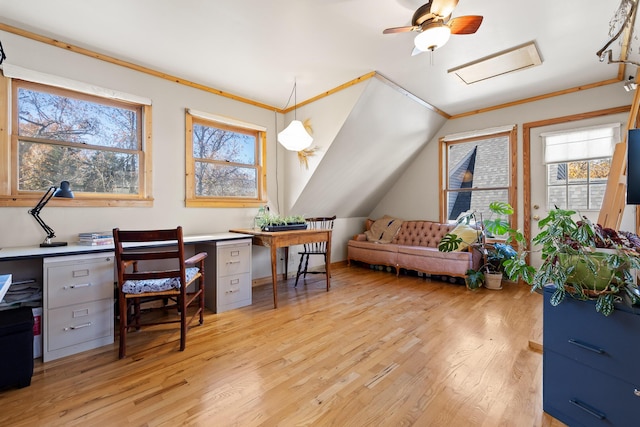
{"type": "Point", "coordinates": [578, 163]}
{"type": "Point", "coordinates": [478, 170]}
{"type": "Point", "coordinates": [225, 162]}
{"type": "Point", "coordinates": [94, 143]}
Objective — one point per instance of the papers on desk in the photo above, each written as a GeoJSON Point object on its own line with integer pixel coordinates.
{"type": "Point", "coordinates": [5, 282]}
{"type": "Point", "coordinates": [25, 293]}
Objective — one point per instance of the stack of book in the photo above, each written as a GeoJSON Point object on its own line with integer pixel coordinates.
{"type": "Point", "coordinates": [95, 238]}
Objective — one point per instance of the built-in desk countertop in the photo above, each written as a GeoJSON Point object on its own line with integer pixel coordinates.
{"type": "Point", "coordinates": [31, 252]}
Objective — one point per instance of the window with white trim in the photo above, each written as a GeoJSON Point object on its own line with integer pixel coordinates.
{"type": "Point", "coordinates": [578, 163]}
{"type": "Point", "coordinates": [225, 161]}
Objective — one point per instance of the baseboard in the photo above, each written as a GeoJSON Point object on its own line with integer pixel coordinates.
{"type": "Point", "coordinates": [292, 274]}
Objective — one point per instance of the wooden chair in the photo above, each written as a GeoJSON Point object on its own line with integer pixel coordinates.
{"type": "Point", "coordinates": [153, 268]}
{"type": "Point", "coordinates": [317, 248]}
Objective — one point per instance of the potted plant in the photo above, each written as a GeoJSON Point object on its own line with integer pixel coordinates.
{"type": "Point", "coordinates": [582, 260]}
{"type": "Point", "coordinates": [494, 239]}
{"type": "Point", "coordinates": [273, 222]}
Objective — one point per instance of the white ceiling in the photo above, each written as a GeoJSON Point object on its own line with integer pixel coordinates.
{"type": "Point", "coordinates": [256, 48]}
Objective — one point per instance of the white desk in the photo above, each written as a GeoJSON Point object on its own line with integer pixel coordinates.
{"type": "Point", "coordinates": [34, 252]}
{"type": "Point", "coordinates": [60, 267]}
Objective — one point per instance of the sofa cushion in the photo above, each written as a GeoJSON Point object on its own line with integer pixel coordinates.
{"type": "Point", "coordinates": [433, 253]}
{"type": "Point", "coordinates": [467, 233]}
{"type": "Point", "coordinates": [384, 229]}
{"type": "Point", "coordinates": [386, 247]}
{"type": "Point", "coordinates": [421, 233]}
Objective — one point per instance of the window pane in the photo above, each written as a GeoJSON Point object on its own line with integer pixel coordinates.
{"type": "Point", "coordinates": [61, 118]}
{"type": "Point", "coordinates": [460, 202]}
{"type": "Point", "coordinates": [557, 196]}
{"type": "Point", "coordinates": [94, 171]}
{"type": "Point", "coordinates": [557, 173]}
{"type": "Point", "coordinates": [479, 164]}
{"type": "Point", "coordinates": [223, 145]}
{"type": "Point", "coordinates": [578, 171]}
{"type": "Point", "coordinates": [599, 170]}
{"type": "Point", "coordinates": [578, 197]}
{"type": "Point", "coordinates": [596, 195]}
{"type": "Point", "coordinates": [215, 180]}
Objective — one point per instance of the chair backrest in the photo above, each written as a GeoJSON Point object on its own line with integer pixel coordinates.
{"type": "Point", "coordinates": [164, 245]}
{"type": "Point", "coordinates": [319, 223]}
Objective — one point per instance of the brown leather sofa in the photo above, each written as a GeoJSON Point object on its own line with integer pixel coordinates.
{"type": "Point", "coordinates": [414, 247]}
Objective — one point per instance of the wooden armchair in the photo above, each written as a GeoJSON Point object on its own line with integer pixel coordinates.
{"type": "Point", "coordinates": [140, 280]}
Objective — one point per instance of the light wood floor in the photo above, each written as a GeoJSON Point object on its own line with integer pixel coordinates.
{"type": "Point", "coordinates": [374, 351]}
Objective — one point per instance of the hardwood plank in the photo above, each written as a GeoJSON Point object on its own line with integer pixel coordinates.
{"type": "Point", "coordinates": [375, 350]}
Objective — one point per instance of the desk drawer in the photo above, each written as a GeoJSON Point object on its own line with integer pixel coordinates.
{"type": "Point", "coordinates": [233, 259]}
{"type": "Point", "coordinates": [79, 323]}
{"type": "Point", "coordinates": [580, 396]}
{"type": "Point", "coordinates": [234, 288]}
{"type": "Point", "coordinates": [575, 330]}
{"type": "Point", "coordinates": [79, 281]}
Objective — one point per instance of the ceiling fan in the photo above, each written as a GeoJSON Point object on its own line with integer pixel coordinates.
{"type": "Point", "coordinates": [434, 25]}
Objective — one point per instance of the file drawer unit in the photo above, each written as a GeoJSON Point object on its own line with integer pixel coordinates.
{"type": "Point", "coordinates": [590, 374]}
{"type": "Point", "coordinates": [78, 303]}
{"type": "Point", "coordinates": [232, 272]}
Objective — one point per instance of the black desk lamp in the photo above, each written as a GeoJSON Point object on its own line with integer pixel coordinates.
{"type": "Point", "coordinates": [63, 191]}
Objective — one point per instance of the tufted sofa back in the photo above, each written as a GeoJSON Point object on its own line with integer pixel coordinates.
{"type": "Point", "coordinates": [419, 233]}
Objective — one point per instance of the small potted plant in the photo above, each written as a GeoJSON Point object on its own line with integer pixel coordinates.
{"type": "Point", "coordinates": [494, 239]}
{"type": "Point", "coordinates": [273, 222]}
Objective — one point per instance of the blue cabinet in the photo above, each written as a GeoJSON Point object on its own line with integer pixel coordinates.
{"type": "Point", "coordinates": [591, 364]}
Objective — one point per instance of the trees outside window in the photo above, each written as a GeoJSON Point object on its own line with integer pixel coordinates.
{"type": "Point", "coordinates": [92, 142]}
{"type": "Point", "coordinates": [224, 164]}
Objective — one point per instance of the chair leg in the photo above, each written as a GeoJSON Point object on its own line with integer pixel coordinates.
{"type": "Point", "coordinates": [124, 314]}
{"type": "Point", "coordinates": [201, 298]}
{"type": "Point", "coordinates": [306, 266]}
{"type": "Point", "coordinates": [299, 268]}
{"type": "Point", "coordinates": [183, 321]}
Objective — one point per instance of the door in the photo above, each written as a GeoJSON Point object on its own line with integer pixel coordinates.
{"type": "Point", "coordinates": [543, 197]}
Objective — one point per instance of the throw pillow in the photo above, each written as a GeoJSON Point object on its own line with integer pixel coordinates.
{"type": "Point", "coordinates": [467, 233]}
{"type": "Point", "coordinates": [384, 229]}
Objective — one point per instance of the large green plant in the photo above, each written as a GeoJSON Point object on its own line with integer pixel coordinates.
{"type": "Point", "coordinates": [500, 253]}
{"type": "Point", "coordinates": [571, 261]}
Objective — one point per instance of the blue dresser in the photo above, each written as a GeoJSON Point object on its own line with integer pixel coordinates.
{"type": "Point", "coordinates": [591, 364]}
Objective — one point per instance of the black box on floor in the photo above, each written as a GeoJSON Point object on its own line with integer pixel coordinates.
{"type": "Point", "coordinates": [16, 347]}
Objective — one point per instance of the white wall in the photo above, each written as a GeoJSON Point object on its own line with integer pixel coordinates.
{"type": "Point", "coordinates": [415, 195]}
{"type": "Point", "coordinates": [17, 228]}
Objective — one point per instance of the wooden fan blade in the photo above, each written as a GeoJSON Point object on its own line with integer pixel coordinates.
{"type": "Point", "coordinates": [400, 29]}
{"type": "Point", "coordinates": [465, 24]}
{"type": "Point", "coordinates": [422, 14]}
{"type": "Point", "coordinates": [443, 8]}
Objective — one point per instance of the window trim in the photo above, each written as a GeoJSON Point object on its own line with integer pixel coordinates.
{"type": "Point", "coordinates": [191, 200]}
{"type": "Point", "coordinates": [9, 194]}
{"type": "Point", "coordinates": [511, 134]}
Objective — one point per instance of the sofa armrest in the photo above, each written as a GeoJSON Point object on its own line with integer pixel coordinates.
{"type": "Point", "coordinates": [360, 237]}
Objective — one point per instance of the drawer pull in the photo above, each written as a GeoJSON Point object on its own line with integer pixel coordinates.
{"type": "Point", "coordinates": [78, 285]}
{"type": "Point", "coordinates": [587, 346]}
{"type": "Point", "coordinates": [636, 392]}
{"type": "Point", "coordinates": [588, 409]}
{"type": "Point", "coordinates": [233, 262]}
{"type": "Point", "coordinates": [73, 328]}
{"type": "Point", "coordinates": [233, 291]}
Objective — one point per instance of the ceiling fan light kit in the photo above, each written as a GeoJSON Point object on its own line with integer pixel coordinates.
{"type": "Point", "coordinates": [434, 25]}
{"type": "Point", "coordinates": [432, 37]}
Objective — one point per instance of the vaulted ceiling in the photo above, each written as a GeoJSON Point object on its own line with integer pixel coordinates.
{"type": "Point", "coordinates": [255, 49]}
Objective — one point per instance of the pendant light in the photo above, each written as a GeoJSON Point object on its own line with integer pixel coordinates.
{"type": "Point", "coordinates": [295, 137]}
